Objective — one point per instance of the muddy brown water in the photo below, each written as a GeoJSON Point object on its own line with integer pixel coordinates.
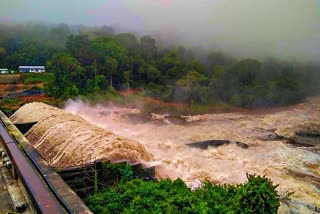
{"type": "Point", "coordinates": [294, 167]}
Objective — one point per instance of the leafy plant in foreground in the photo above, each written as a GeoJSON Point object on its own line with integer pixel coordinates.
{"type": "Point", "coordinates": [257, 195]}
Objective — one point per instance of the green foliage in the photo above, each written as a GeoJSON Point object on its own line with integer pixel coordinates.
{"type": "Point", "coordinates": [68, 75]}
{"type": "Point", "coordinates": [79, 47]}
{"type": "Point", "coordinates": [126, 173]}
{"type": "Point", "coordinates": [80, 60]}
{"type": "Point", "coordinates": [215, 59]}
{"type": "Point", "coordinates": [190, 79]}
{"type": "Point", "coordinates": [148, 47]}
{"type": "Point", "coordinates": [37, 77]}
{"type": "Point", "coordinates": [2, 51]}
{"type": "Point", "coordinates": [129, 41]}
{"type": "Point", "coordinates": [11, 101]}
{"type": "Point", "coordinates": [246, 71]}
{"type": "Point", "coordinates": [35, 87]}
{"type": "Point", "coordinates": [101, 96]}
{"type": "Point", "coordinates": [101, 83]}
{"type": "Point", "coordinates": [107, 47]}
{"type": "Point", "coordinates": [95, 185]}
{"type": "Point", "coordinates": [121, 171]}
{"type": "Point", "coordinates": [257, 195]}
{"type": "Point", "coordinates": [127, 75]}
{"type": "Point", "coordinates": [9, 105]}
{"type": "Point", "coordinates": [236, 100]}
{"type": "Point", "coordinates": [190, 88]}
{"type": "Point", "coordinates": [197, 66]}
{"type": "Point", "coordinates": [9, 78]}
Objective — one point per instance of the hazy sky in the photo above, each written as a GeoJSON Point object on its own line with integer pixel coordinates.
{"type": "Point", "coordinates": [287, 28]}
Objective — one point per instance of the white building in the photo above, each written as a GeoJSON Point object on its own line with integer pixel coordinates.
{"type": "Point", "coordinates": [3, 71]}
{"type": "Point", "coordinates": [32, 69]}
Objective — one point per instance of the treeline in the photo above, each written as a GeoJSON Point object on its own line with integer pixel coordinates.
{"type": "Point", "coordinates": [89, 60]}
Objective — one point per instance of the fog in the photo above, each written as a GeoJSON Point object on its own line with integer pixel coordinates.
{"type": "Point", "coordinates": [285, 29]}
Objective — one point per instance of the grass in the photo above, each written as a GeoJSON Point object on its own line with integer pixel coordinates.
{"type": "Point", "coordinates": [49, 102]}
{"type": "Point", "coordinates": [9, 78]}
{"type": "Point", "coordinates": [35, 87]}
{"type": "Point", "coordinates": [10, 105]}
{"type": "Point", "coordinates": [37, 77]}
{"type": "Point", "coordinates": [103, 96]}
{"type": "Point", "coordinates": [10, 101]}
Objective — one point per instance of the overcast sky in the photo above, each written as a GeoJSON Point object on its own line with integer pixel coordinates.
{"type": "Point", "coordinates": [286, 28]}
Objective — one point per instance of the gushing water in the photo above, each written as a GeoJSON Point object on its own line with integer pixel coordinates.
{"type": "Point", "coordinates": [227, 163]}
{"type": "Point", "coordinates": [70, 138]}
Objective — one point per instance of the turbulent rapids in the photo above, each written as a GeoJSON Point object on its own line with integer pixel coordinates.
{"type": "Point", "coordinates": [282, 144]}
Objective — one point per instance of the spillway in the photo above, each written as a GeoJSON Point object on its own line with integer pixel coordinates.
{"type": "Point", "coordinates": [65, 139]}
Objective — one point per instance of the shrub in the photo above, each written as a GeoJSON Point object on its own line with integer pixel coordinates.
{"type": "Point", "coordinates": [35, 87]}
{"type": "Point", "coordinates": [257, 195]}
{"type": "Point", "coordinates": [11, 101]}
{"type": "Point", "coordinates": [37, 77]}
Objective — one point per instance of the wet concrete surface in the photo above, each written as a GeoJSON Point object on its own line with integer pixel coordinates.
{"type": "Point", "coordinates": [5, 201]}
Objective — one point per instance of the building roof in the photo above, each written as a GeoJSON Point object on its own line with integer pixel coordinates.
{"type": "Point", "coordinates": [38, 67]}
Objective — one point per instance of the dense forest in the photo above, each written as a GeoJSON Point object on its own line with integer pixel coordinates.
{"type": "Point", "coordinates": [88, 60]}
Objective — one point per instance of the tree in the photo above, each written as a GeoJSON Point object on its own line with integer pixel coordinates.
{"type": "Point", "coordinates": [247, 71]}
{"type": "Point", "coordinates": [148, 73]}
{"type": "Point", "coordinates": [68, 75]}
{"type": "Point", "coordinates": [100, 83]}
{"type": "Point", "coordinates": [129, 41]}
{"type": "Point", "coordinates": [214, 59]}
{"type": "Point", "coordinates": [127, 76]}
{"type": "Point", "coordinates": [105, 47]}
{"type": "Point", "coordinates": [110, 56]}
{"type": "Point", "coordinates": [188, 86]}
{"type": "Point", "coordinates": [257, 195]}
{"type": "Point", "coordinates": [220, 83]}
{"type": "Point", "coordinates": [80, 48]}
{"type": "Point", "coordinates": [58, 35]}
{"type": "Point", "coordinates": [148, 47]}
{"type": "Point", "coordinates": [111, 67]}
{"type": "Point", "coordinates": [196, 65]}
{"type": "Point", "coordinates": [171, 67]}
{"type": "Point", "coordinates": [2, 55]}
{"type": "Point", "coordinates": [2, 51]}
{"type": "Point", "coordinates": [184, 55]}
{"type": "Point", "coordinates": [190, 79]}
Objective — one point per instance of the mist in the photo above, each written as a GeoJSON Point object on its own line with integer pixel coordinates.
{"type": "Point", "coordinates": [247, 28]}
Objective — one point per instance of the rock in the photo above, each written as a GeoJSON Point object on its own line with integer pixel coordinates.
{"type": "Point", "coordinates": [205, 144]}
{"type": "Point", "coordinates": [306, 134]}
{"type": "Point", "coordinates": [269, 136]}
{"type": "Point", "coordinates": [215, 143]}
{"type": "Point", "coordinates": [155, 116]}
{"type": "Point", "coordinates": [194, 118]}
{"type": "Point", "coordinates": [163, 118]}
{"type": "Point", "coordinates": [308, 130]}
{"type": "Point", "coordinates": [242, 145]}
